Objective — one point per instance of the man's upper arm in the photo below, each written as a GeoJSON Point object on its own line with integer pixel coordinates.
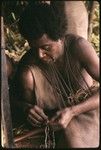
{"type": "Point", "coordinates": [88, 57]}
{"type": "Point", "coordinates": [25, 84]}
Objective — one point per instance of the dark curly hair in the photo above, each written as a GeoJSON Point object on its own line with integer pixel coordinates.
{"type": "Point", "coordinates": [40, 18]}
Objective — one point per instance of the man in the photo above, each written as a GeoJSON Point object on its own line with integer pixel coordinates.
{"type": "Point", "coordinates": [54, 81]}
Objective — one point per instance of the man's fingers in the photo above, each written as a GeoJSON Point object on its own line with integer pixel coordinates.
{"type": "Point", "coordinates": [33, 121]}
{"type": "Point", "coordinates": [38, 113]}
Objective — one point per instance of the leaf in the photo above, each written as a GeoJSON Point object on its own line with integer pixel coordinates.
{"type": "Point", "coordinates": [13, 15]}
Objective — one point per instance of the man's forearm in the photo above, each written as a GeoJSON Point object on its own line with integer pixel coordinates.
{"type": "Point", "coordinates": [88, 105]}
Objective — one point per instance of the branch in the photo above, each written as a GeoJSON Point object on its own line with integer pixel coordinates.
{"type": "Point", "coordinates": [6, 124]}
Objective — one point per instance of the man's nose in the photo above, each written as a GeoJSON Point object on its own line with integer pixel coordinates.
{"type": "Point", "coordinates": [42, 53]}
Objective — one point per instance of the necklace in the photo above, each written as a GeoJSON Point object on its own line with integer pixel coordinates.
{"type": "Point", "coordinates": [49, 137]}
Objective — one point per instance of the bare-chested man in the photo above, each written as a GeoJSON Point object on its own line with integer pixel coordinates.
{"type": "Point", "coordinates": [54, 81]}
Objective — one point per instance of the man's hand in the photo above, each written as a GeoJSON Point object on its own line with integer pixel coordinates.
{"type": "Point", "coordinates": [36, 116]}
{"type": "Point", "coordinates": [62, 119]}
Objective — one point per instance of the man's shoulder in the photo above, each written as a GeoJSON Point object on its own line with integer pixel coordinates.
{"type": "Point", "coordinates": [73, 37]}
{"type": "Point", "coordinates": [78, 46]}
{"type": "Point", "coordinates": [75, 41]}
{"type": "Point", "coordinates": [24, 75]}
